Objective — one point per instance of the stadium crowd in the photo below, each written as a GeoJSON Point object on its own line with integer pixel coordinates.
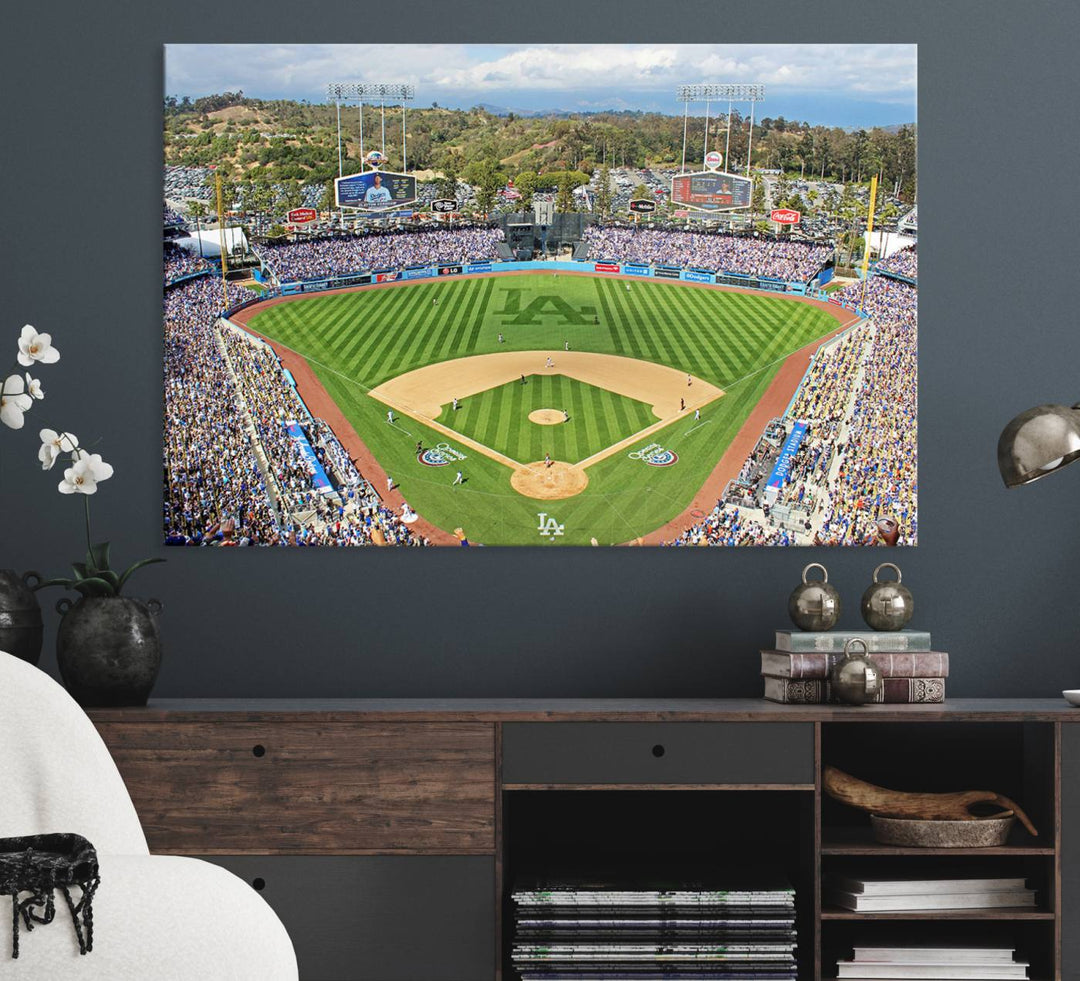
{"type": "Point", "coordinates": [878, 472]}
{"type": "Point", "coordinates": [179, 263]}
{"type": "Point", "coordinates": [857, 463]}
{"type": "Point", "coordinates": [170, 217]}
{"type": "Point", "coordinates": [794, 261]}
{"type": "Point", "coordinates": [327, 257]}
{"type": "Point", "coordinates": [220, 414]}
{"type": "Point", "coordinates": [903, 263]}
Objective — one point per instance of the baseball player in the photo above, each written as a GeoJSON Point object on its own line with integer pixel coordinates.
{"type": "Point", "coordinates": [549, 363]}
{"type": "Point", "coordinates": [547, 459]}
{"type": "Point", "coordinates": [389, 483]}
{"type": "Point", "coordinates": [500, 339]}
{"type": "Point", "coordinates": [459, 479]}
{"type": "Point", "coordinates": [390, 416]}
{"type": "Point", "coordinates": [697, 414]}
{"type": "Point", "coordinates": [455, 405]}
{"type": "Point", "coordinates": [566, 346]}
{"type": "Point", "coordinates": [565, 416]}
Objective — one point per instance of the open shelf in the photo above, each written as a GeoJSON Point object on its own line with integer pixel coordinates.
{"type": "Point", "coordinates": [860, 841]}
{"type": "Point", "coordinates": [1003, 913]}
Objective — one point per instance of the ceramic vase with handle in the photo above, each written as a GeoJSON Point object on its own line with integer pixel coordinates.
{"type": "Point", "coordinates": [108, 649]}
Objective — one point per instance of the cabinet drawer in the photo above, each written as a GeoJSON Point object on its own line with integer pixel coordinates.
{"type": "Point", "coordinates": [695, 753]}
{"type": "Point", "coordinates": [229, 788]}
{"type": "Point", "coordinates": [381, 918]}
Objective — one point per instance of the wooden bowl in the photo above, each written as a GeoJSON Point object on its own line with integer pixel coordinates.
{"type": "Point", "coordinates": [912, 832]}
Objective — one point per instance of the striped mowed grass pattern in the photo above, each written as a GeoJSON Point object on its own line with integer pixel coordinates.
{"type": "Point", "coordinates": [499, 418]}
{"type": "Point", "coordinates": [355, 341]}
{"type": "Point", "coordinates": [371, 336]}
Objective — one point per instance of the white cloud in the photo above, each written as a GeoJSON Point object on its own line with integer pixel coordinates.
{"type": "Point", "coordinates": [878, 72]}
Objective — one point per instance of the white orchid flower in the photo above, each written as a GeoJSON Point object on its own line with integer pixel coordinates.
{"type": "Point", "coordinates": [85, 474]}
{"type": "Point", "coordinates": [53, 444]}
{"type": "Point", "coordinates": [14, 401]}
{"type": "Point", "coordinates": [33, 387]}
{"type": "Point", "coordinates": [36, 347]}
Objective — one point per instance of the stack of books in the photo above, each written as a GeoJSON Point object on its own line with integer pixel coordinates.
{"type": "Point", "coordinates": [581, 931]}
{"type": "Point", "coordinates": [899, 893]}
{"type": "Point", "coordinates": [796, 671]}
{"type": "Point", "coordinates": [938, 963]}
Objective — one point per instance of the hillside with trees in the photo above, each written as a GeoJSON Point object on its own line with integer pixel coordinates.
{"type": "Point", "coordinates": [283, 142]}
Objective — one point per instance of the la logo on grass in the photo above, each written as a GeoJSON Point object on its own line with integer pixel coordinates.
{"type": "Point", "coordinates": [541, 309]}
{"type": "Point", "coordinates": [549, 527]}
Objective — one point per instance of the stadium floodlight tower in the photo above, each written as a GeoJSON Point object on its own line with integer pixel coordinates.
{"type": "Point", "coordinates": [373, 92]}
{"type": "Point", "coordinates": [709, 93]}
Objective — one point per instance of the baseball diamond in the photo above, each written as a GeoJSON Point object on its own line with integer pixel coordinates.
{"type": "Point", "coordinates": [673, 368]}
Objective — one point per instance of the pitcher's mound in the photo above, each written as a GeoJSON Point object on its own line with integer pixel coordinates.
{"type": "Point", "coordinates": [546, 417]}
{"type": "Point", "coordinates": [549, 483]}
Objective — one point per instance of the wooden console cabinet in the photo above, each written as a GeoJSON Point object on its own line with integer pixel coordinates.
{"type": "Point", "coordinates": [387, 833]}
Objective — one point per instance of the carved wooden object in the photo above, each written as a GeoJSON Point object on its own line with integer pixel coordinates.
{"type": "Point", "coordinates": [901, 804]}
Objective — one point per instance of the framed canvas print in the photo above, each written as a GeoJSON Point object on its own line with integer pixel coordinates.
{"type": "Point", "coordinates": [540, 295]}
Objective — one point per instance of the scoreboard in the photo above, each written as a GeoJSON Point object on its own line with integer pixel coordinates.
{"type": "Point", "coordinates": [375, 190]}
{"type": "Point", "coordinates": [711, 191]}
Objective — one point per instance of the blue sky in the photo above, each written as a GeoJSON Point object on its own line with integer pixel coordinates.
{"type": "Point", "coordinates": [847, 85]}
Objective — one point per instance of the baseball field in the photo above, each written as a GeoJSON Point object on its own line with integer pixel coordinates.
{"type": "Point", "coordinates": [588, 408]}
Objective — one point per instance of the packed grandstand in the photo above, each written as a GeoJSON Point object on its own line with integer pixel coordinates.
{"type": "Point", "coordinates": [246, 463]}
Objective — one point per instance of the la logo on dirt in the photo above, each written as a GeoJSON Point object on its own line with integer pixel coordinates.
{"type": "Point", "coordinates": [440, 455]}
{"type": "Point", "coordinates": [655, 455]}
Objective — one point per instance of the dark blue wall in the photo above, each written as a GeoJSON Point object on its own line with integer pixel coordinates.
{"type": "Point", "coordinates": [995, 578]}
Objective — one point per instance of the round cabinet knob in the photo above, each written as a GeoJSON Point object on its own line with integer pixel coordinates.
{"type": "Point", "coordinates": [258, 750]}
{"type": "Point", "coordinates": [658, 751]}
{"type": "Point", "coordinates": [887, 605]}
{"type": "Point", "coordinates": [855, 679]}
{"type": "Point", "coordinates": [814, 605]}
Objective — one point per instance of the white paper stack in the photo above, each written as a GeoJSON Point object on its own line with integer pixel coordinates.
{"type": "Point", "coordinates": [933, 964]}
{"type": "Point", "coordinates": [902, 894]}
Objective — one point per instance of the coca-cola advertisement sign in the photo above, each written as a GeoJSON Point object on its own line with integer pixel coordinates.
{"type": "Point", "coordinates": [785, 216]}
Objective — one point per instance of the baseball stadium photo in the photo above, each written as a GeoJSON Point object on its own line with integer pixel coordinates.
{"type": "Point", "coordinates": [409, 302]}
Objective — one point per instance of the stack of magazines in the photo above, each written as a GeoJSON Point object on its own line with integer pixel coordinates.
{"type": "Point", "coordinates": [938, 963]}
{"type": "Point", "coordinates": [589, 931]}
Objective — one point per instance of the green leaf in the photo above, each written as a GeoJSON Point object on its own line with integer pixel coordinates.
{"type": "Point", "coordinates": [128, 573]}
{"type": "Point", "coordinates": [80, 570]}
{"type": "Point", "coordinates": [94, 587]}
{"type": "Point", "coordinates": [66, 583]}
{"type": "Point", "coordinates": [97, 558]}
{"type": "Point", "coordinates": [110, 577]}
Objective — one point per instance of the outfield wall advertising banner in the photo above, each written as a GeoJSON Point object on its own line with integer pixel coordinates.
{"type": "Point", "coordinates": [419, 272]}
{"type": "Point", "coordinates": [454, 270]}
{"type": "Point", "coordinates": [667, 272]}
{"type": "Point", "coordinates": [632, 269]}
{"type": "Point", "coordinates": [478, 267]}
{"type": "Point", "coordinates": [606, 267]}
{"type": "Point", "coordinates": [696, 276]}
{"type": "Point", "coordinates": [374, 190]}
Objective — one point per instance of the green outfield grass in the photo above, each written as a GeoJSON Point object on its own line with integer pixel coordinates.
{"type": "Point", "coordinates": [499, 418]}
{"type": "Point", "coordinates": [737, 341]}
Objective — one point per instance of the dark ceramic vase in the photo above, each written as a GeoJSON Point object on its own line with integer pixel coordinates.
{"type": "Point", "coordinates": [108, 649]}
{"type": "Point", "coordinates": [21, 627]}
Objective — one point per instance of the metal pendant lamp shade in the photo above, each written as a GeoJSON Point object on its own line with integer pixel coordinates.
{"type": "Point", "coordinates": [1037, 442]}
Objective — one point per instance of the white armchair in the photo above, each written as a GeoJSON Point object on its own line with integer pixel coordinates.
{"type": "Point", "coordinates": [156, 918]}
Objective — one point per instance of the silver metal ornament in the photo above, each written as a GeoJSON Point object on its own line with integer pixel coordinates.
{"type": "Point", "coordinates": [814, 605]}
{"type": "Point", "coordinates": [856, 680]}
{"type": "Point", "coordinates": [887, 605]}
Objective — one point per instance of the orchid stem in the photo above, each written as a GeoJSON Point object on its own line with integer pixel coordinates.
{"type": "Point", "coordinates": [89, 547]}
